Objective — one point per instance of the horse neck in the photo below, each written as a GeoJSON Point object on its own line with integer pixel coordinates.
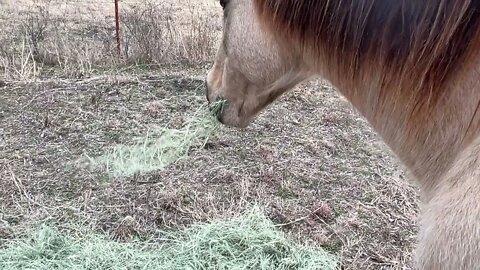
{"type": "Point", "coordinates": [430, 143]}
{"type": "Point", "coordinates": [402, 64]}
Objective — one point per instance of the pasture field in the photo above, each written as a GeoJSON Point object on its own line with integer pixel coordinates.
{"type": "Point", "coordinates": [309, 160]}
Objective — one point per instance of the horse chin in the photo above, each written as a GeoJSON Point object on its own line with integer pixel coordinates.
{"type": "Point", "coordinates": [230, 118]}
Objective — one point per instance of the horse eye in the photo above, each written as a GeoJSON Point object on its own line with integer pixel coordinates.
{"type": "Point", "coordinates": [223, 3]}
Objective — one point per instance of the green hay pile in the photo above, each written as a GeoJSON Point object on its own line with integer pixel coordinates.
{"type": "Point", "coordinates": [161, 148]}
{"type": "Point", "coordinates": [248, 242]}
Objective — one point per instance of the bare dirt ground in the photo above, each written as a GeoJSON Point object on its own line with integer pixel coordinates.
{"type": "Point", "coordinates": [309, 159]}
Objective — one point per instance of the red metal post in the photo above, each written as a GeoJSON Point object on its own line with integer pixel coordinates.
{"type": "Point", "coordinates": [117, 26]}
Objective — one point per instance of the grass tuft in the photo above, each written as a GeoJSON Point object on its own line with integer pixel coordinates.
{"type": "Point", "coordinates": [161, 148]}
{"type": "Point", "coordinates": [250, 241]}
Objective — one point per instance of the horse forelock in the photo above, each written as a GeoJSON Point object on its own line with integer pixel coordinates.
{"type": "Point", "coordinates": [417, 46]}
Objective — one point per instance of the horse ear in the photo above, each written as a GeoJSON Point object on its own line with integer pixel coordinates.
{"type": "Point", "coordinates": [223, 3]}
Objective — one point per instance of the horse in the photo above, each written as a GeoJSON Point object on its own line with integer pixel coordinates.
{"type": "Point", "coordinates": [411, 68]}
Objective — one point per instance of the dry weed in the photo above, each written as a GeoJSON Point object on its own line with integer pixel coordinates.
{"type": "Point", "coordinates": [153, 35]}
{"type": "Point", "coordinates": [37, 43]}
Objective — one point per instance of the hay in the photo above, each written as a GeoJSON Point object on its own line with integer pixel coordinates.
{"type": "Point", "coordinates": [161, 148]}
{"type": "Point", "coordinates": [250, 241]}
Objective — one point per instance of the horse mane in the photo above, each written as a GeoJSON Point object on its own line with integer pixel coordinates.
{"type": "Point", "coordinates": [415, 47]}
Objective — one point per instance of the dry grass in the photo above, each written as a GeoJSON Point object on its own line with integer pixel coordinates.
{"type": "Point", "coordinates": [152, 34]}
{"type": "Point", "coordinates": [161, 147]}
{"type": "Point", "coordinates": [310, 160]}
{"type": "Point", "coordinates": [41, 42]}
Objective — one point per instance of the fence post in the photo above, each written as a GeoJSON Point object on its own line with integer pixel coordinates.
{"type": "Point", "coordinates": [117, 26]}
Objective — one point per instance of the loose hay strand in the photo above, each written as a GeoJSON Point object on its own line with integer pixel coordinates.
{"type": "Point", "coordinates": [249, 241]}
{"type": "Point", "coordinates": [160, 149]}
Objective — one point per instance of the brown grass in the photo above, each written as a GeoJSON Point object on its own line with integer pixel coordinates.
{"type": "Point", "coordinates": [152, 34]}
{"type": "Point", "coordinates": [309, 159]}
{"type": "Point", "coordinates": [41, 41]}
